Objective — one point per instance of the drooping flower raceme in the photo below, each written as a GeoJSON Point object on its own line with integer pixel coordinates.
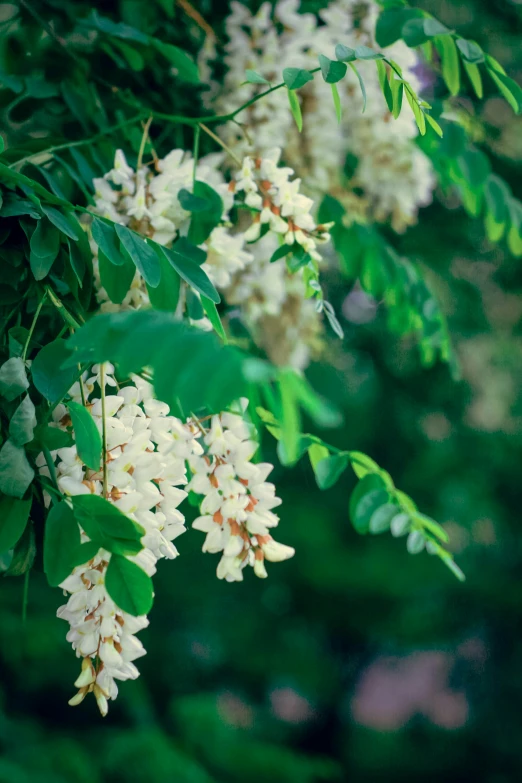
{"type": "Point", "coordinates": [147, 451]}
{"type": "Point", "coordinates": [237, 514]}
{"type": "Point", "coordinates": [394, 175]}
{"type": "Point", "coordinates": [148, 201]}
{"type": "Point", "coordinates": [274, 302]}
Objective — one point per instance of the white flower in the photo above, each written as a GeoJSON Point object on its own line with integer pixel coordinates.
{"type": "Point", "coordinates": [236, 507]}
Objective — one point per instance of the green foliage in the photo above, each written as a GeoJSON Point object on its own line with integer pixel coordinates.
{"type": "Point", "coordinates": [129, 586]}
{"type": "Point", "coordinates": [87, 438]}
{"type": "Point", "coordinates": [13, 520]}
{"type": "Point", "coordinates": [61, 543]}
{"type": "Point", "coordinates": [106, 525]}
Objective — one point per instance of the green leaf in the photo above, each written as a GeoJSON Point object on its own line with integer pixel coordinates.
{"type": "Point", "coordinates": [433, 27]}
{"type": "Point", "coordinates": [369, 495]}
{"type": "Point", "coordinates": [64, 222]}
{"type": "Point", "coordinates": [84, 552]}
{"type": "Point", "coordinates": [183, 256]}
{"type": "Point", "coordinates": [142, 254]}
{"type": "Point", "coordinates": [413, 33]}
{"type": "Point", "coordinates": [295, 108]}
{"type": "Point", "coordinates": [13, 519]}
{"type": "Point", "coordinates": [107, 240]}
{"type": "Point", "coordinates": [329, 470]}
{"type": "Point", "coordinates": [23, 555]}
{"type": "Point", "coordinates": [15, 471]}
{"type": "Point", "coordinates": [381, 519]}
{"type": "Point", "coordinates": [400, 524]}
{"type": "Point", "coordinates": [51, 437]}
{"type": "Point", "coordinates": [104, 523]}
{"type": "Point", "coordinates": [281, 252]}
{"type": "Point", "coordinates": [186, 68]}
{"type": "Point", "coordinates": [129, 586]}
{"type": "Point", "coordinates": [397, 89]}
{"type": "Point", "coordinates": [213, 316]}
{"type": "Point", "coordinates": [44, 244]}
{"type": "Point", "coordinates": [86, 435]}
{"type": "Point", "coordinates": [166, 296]}
{"type": "Point", "coordinates": [13, 378]}
{"type": "Point", "coordinates": [390, 23]}
{"type": "Point", "coordinates": [333, 70]}
{"type": "Point", "coordinates": [514, 238]}
{"type": "Point", "coordinates": [116, 280]}
{"type": "Point", "coordinates": [365, 53]}
{"type": "Point", "coordinates": [252, 77]}
{"type": "Point", "coordinates": [417, 113]}
{"type": "Point", "coordinates": [337, 102]}
{"type": "Point", "coordinates": [511, 91]}
{"type": "Point", "coordinates": [203, 223]}
{"type": "Point", "coordinates": [434, 124]}
{"type": "Point", "coordinates": [362, 464]}
{"type": "Point", "coordinates": [50, 378]}
{"type": "Point", "coordinates": [385, 85]}
{"type": "Point", "coordinates": [294, 78]}
{"type": "Point", "coordinates": [316, 453]}
{"type": "Point", "coordinates": [22, 424]}
{"type": "Point", "coordinates": [290, 418]}
{"type": "Point", "coordinates": [470, 51]}
{"type": "Point", "coordinates": [497, 196]}
{"type": "Point", "coordinates": [475, 78]}
{"type": "Point", "coordinates": [344, 53]}
{"type": "Point", "coordinates": [61, 541]}
{"type": "Point", "coordinates": [450, 62]}
{"type": "Point", "coordinates": [361, 82]}
{"type": "Point", "coordinates": [193, 203]}
{"type": "Point", "coordinates": [415, 543]}
{"type": "Point", "coordinates": [206, 374]}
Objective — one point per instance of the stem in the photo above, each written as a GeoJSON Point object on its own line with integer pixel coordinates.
{"type": "Point", "coordinates": [142, 144]}
{"type": "Point", "coordinates": [31, 330]}
{"type": "Point", "coordinates": [213, 118]}
{"type": "Point", "coordinates": [82, 143]}
{"type": "Point", "coordinates": [50, 464]}
{"type": "Point", "coordinates": [68, 318]}
{"type": "Point", "coordinates": [197, 134]}
{"type": "Point", "coordinates": [104, 432]}
{"type": "Point", "coordinates": [220, 142]}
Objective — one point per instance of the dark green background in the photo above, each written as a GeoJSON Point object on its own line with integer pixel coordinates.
{"type": "Point", "coordinates": [353, 661]}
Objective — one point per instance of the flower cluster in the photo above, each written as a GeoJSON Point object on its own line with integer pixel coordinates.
{"type": "Point", "coordinates": [237, 506]}
{"type": "Point", "coordinates": [281, 207]}
{"type": "Point", "coordinates": [393, 174]}
{"type": "Point", "coordinates": [145, 469]}
{"type": "Point", "coordinates": [273, 302]}
{"type": "Point", "coordinates": [147, 200]}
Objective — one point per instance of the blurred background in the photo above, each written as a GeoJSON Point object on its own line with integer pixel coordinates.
{"type": "Point", "coordinates": [353, 661]}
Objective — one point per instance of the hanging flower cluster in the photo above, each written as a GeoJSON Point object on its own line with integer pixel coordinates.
{"type": "Point", "coordinates": [145, 469]}
{"type": "Point", "coordinates": [237, 506]}
{"type": "Point", "coordinates": [145, 476]}
{"type": "Point", "coordinates": [395, 177]}
{"type": "Point", "coordinates": [274, 302]}
{"type": "Point", "coordinates": [148, 201]}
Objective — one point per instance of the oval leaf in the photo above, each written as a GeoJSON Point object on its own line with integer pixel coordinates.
{"type": "Point", "coordinates": [104, 523]}
{"type": "Point", "coordinates": [86, 435]}
{"type": "Point", "coordinates": [61, 541]}
{"type": "Point", "coordinates": [141, 253]}
{"type": "Point", "coordinates": [13, 519]}
{"type": "Point", "coordinates": [129, 586]}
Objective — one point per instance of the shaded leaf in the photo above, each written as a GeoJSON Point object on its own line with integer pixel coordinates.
{"type": "Point", "coordinates": [129, 586]}
{"type": "Point", "coordinates": [87, 438]}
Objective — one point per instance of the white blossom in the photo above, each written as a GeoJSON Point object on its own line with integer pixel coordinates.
{"type": "Point", "coordinates": [236, 510]}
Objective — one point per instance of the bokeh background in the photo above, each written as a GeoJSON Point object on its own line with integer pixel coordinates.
{"type": "Point", "coordinates": [353, 661]}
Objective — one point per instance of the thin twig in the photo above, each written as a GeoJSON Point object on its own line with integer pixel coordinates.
{"type": "Point", "coordinates": [33, 324]}
{"type": "Point", "coordinates": [104, 432]}
{"type": "Point", "coordinates": [142, 144]}
{"type": "Point", "coordinates": [220, 142]}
